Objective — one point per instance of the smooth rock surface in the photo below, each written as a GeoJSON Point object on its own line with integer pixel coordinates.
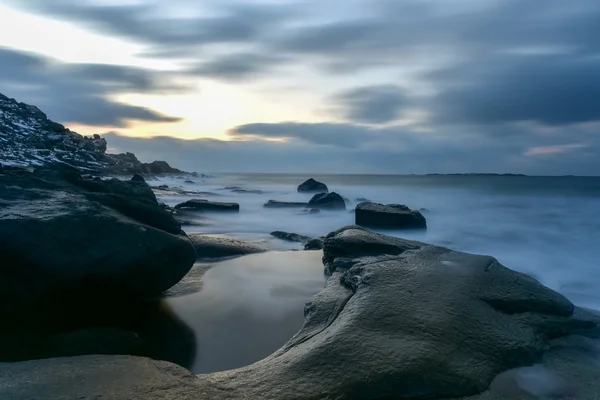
{"type": "Point", "coordinates": [205, 205]}
{"type": "Point", "coordinates": [213, 247]}
{"type": "Point", "coordinates": [284, 204]}
{"type": "Point", "coordinates": [291, 237]}
{"type": "Point", "coordinates": [388, 216]}
{"type": "Point", "coordinates": [327, 201]}
{"type": "Point", "coordinates": [312, 186]}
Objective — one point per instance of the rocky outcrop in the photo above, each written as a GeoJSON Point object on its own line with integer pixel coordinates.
{"type": "Point", "coordinates": [29, 139]}
{"type": "Point", "coordinates": [291, 237]}
{"type": "Point", "coordinates": [397, 319]}
{"type": "Point", "coordinates": [388, 216]}
{"type": "Point", "coordinates": [315, 243]}
{"type": "Point", "coordinates": [208, 206]}
{"type": "Point", "coordinates": [212, 247]}
{"type": "Point", "coordinates": [64, 237]}
{"type": "Point", "coordinates": [313, 186]}
{"type": "Point", "coordinates": [327, 201]}
{"type": "Point", "coordinates": [284, 204]}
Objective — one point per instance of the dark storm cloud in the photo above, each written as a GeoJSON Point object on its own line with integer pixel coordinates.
{"type": "Point", "coordinates": [78, 93]}
{"type": "Point", "coordinates": [372, 104]}
{"type": "Point", "coordinates": [237, 67]}
{"type": "Point", "coordinates": [550, 90]}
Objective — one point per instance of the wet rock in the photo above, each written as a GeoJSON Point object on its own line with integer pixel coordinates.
{"type": "Point", "coordinates": [362, 200]}
{"type": "Point", "coordinates": [389, 216]}
{"type": "Point", "coordinates": [213, 247]}
{"type": "Point", "coordinates": [205, 205]}
{"type": "Point", "coordinates": [327, 201]}
{"type": "Point", "coordinates": [138, 178]}
{"type": "Point", "coordinates": [313, 186]}
{"type": "Point", "coordinates": [291, 237]}
{"type": "Point", "coordinates": [247, 191]}
{"type": "Point", "coordinates": [190, 182]}
{"type": "Point", "coordinates": [284, 204]}
{"type": "Point", "coordinates": [159, 167]}
{"type": "Point", "coordinates": [315, 243]}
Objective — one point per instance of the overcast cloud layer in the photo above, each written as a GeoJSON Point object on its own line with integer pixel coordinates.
{"type": "Point", "coordinates": [420, 85]}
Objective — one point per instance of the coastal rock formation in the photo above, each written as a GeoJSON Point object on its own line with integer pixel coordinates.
{"type": "Point", "coordinates": [66, 237]}
{"type": "Point", "coordinates": [212, 247]}
{"type": "Point", "coordinates": [29, 139]}
{"type": "Point", "coordinates": [291, 237]}
{"type": "Point", "coordinates": [313, 186]}
{"type": "Point", "coordinates": [315, 243]}
{"type": "Point", "coordinates": [284, 204]}
{"type": "Point", "coordinates": [205, 205]}
{"type": "Point", "coordinates": [397, 319]}
{"type": "Point", "coordinates": [390, 216]}
{"type": "Point", "coordinates": [327, 201]}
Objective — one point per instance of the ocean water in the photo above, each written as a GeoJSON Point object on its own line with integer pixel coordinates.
{"type": "Point", "coordinates": [548, 227]}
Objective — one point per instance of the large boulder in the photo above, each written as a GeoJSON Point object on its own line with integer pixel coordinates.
{"type": "Point", "coordinates": [390, 216]}
{"type": "Point", "coordinates": [284, 204]}
{"type": "Point", "coordinates": [313, 186]}
{"type": "Point", "coordinates": [159, 167]}
{"type": "Point", "coordinates": [62, 237]}
{"type": "Point", "coordinates": [205, 205]}
{"type": "Point", "coordinates": [327, 201]}
{"type": "Point", "coordinates": [212, 247]}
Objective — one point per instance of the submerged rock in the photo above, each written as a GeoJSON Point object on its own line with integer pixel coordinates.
{"type": "Point", "coordinates": [327, 201]}
{"type": "Point", "coordinates": [313, 186]}
{"type": "Point", "coordinates": [390, 216]}
{"type": "Point", "coordinates": [397, 319]}
{"type": "Point", "coordinates": [212, 247]}
{"type": "Point", "coordinates": [205, 205]}
{"type": "Point", "coordinates": [291, 237]}
{"type": "Point", "coordinates": [283, 204]}
{"type": "Point", "coordinates": [68, 238]}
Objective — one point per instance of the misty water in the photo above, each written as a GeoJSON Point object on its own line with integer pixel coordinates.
{"type": "Point", "coordinates": [248, 307]}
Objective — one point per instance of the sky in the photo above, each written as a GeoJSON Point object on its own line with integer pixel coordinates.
{"type": "Point", "coordinates": [330, 86]}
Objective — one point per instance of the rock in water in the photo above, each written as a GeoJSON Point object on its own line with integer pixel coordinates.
{"type": "Point", "coordinates": [211, 247]}
{"type": "Point", "coordinates": [205, 205]}
{"type": "Point", "coordinates": [397, 319]}
{"type": "Point", "coordinates": [283, 204]}
{"type": "Point", "coordinates": [315, 244]}
{"type": "Point", "coordinates": [291, 237]}
{"type": "Point", "coordinates": [159, 167]}
{"type": "Point", "coordinates": [390, 216]}
{"type": "Point", "coordinates": [327, 201]}
{"type": "Point", "coordinates": [63, 237]}
{"type": "Point", "coordinates": [313, 186]}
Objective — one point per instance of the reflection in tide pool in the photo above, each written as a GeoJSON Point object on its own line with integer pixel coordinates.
{"type": "Point", "coordinates": [249, 307]}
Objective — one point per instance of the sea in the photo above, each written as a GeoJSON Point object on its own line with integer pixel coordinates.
{"type": "Point", "coordinates": [547, 227]}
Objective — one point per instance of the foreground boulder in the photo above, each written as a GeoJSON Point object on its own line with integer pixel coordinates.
{"type": "Point", "coordinates": [313, 186]}
{"type": "Point", "coordinates": [212, 247]}
{"type": "Point", "coordinates": [390, 216]}
{"type": "Point", "coordinates": [205, 205]}
{"type": "Point", "coordinates": [65, 237]}
{"type": "Point", "coordinates": [327, 201]}
{"type": "Point", "coordinates": [284, 204]}
{"type": "Point", "coordinates": [397, 319]}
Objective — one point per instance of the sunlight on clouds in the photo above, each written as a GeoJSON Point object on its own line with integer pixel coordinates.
{"type": "Point", "coordinates": [563, 148]}
{"type": "Point", "coordinates": [66, 42]}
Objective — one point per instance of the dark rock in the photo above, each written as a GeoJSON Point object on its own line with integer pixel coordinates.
{"type": "Point", "coordinates": [415, 323]}
{"type": "Point", "coordinates": [291, 237]}
{"type": "Point", "coordinates": [159, 167]}
{"type": "Point", "coordinates": [327, 201]}
{"type": "Point", "coordinates": [162, 187]}
{"type": "Point", "coordinates": [247, 191]}
{"type": "Point", "coordinates": [315, 243]}
{"type": "Point", "coordinates": [212, 247]}
{"type": "Point", "coordinates": [362, 200]}
{"type": "Point", "coordinates": [138, 178]}
{"type": "Point", "coordinates": [314, 211]}
{"type": "Point", "coordinates": [190, 182]}
{"type": "Point", "coordinates": [390, 216]}
{"type": "Point", "coordinates": [205, 205]}
{"type": "Point", "coordinates": [284, 204]}
{"type": "Point", "coordinates": [72, 239]}
{"type": "Point", "coordinates": [313, 186]}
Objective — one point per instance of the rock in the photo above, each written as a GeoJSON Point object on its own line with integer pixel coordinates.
{"type": "Point", "coordinates": [362, 200]}
{"type": "Point", "coordinates": [390, 216]}
{"type": "Point", "coordinates": [159, 167]}
{"type": "Point", "coordinates": [67, 238]}
{"type": "Point", "coordinates": [247, 191]}
{"type": "Point", "coordinates": [315, 243]}
{"type": "Point", "coordinates": [409, 321]}
{"type": "Point", "coordinates": [290, 237]}
{"type": "Point", "coordinates": [313, 186]}
{"type": "Point", "coordinates": [205, 205]}
{"type": "Point", "coordinates": [162, 187]}
{"type": "Point", "coordinates": [138, 178]}
{"type": "Point", "coordinates": [190, 182]}
{"type": "Point", "coordinates": [327, 201]}
{"type": "Point", "coordinates": [212, 247]}
{"type": "Point", "coordinates": [283, 204]}
{"type": "Point", "coordinates": [314, 211]}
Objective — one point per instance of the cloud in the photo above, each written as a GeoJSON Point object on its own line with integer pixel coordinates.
{"type": "Point", "coordinates": [80, 93]}
{"type": "Point", "coordinates": [372, 104]}
{"type": "Point", "coordinates": [237, 67]}
{"type": "Point", "coordinates": [557, 149]}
